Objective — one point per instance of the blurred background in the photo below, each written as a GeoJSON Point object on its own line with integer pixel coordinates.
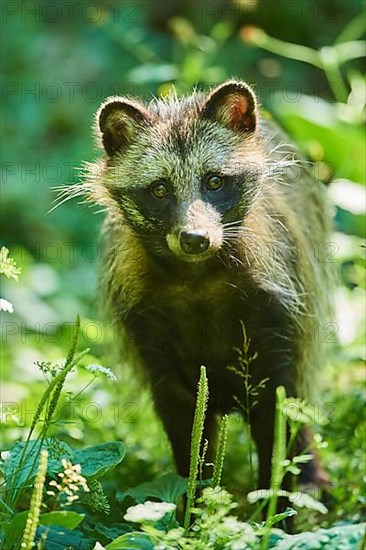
{"type": "Point", "coordinates": [305, 60]}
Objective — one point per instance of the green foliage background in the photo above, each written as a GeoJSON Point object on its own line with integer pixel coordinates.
{"type": "Point", "coordinates": [61, 61]}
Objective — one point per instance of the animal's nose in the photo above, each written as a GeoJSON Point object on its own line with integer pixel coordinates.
{"type": "Point", "coordinates": [194, 242]}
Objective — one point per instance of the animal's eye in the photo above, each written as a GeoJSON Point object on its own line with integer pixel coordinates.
{"type": "Point", "coordinates": [159, 189]}
{"type": "Point", "coordinates": [213, 182]}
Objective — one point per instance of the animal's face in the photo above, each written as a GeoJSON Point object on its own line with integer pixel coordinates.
{"type": "Point", "coordinates": [184, 172]}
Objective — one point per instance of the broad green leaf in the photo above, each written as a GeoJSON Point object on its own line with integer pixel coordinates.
{"type": "Point", "coordinates": [62, 518]}
{"type": "Point", "coordinates": [58, 525]}
{"type": "Point", "coordinates": [131, 541]}
{"type": "Point", "coordinates": [14, 529]}
{"type": "Point", "coordinates": [60, 538]}
{"type": "Point", "coordinates": [315, 124]}
{"type": "Point", "coordinates": [95, 461]}
{"type": "Point", "coordinates": [168, 488]}
{"type": "Point", "coordinates": [105, 532]}
{"type": "Point", "coordinates": [57, 450]}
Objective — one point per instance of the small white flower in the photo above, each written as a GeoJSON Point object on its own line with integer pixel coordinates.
{"type": "Point", "coordinates": [98, 369]}
{"type": "Point", "coordinates": [5, 305]}
{"type": "Point", "coordinates": [149, 511]}
{"type": "Point", "coordinates": [70, 483]}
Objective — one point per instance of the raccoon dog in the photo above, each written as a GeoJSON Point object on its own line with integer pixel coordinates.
{"type": "Point", "coordinates": [211, 223]}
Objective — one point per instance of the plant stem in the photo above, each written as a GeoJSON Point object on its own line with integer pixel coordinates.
{"type": "Point", "coordinates": [35, 505]}
{"type": "Point", "coordinates": [54, 385]}
{"type": "Point", "coordinates": [355, 29]}
{"type": "Point", "coordinates": [295, 428]}
{"type": "Point", "coordinates": [328, 58]}
{"type": "Point", "coordinates": [287, 49]}
{"type": "Point", "coordinates": [330, 65]}
{"type": "Point", "coordinates": [54, 390]}
{"type": "Point", "coordinates": [278, 458]}
{"type": "Point", "coordinates": [220, 454]}
{"type": "Point", "coordinates": [197, 433]}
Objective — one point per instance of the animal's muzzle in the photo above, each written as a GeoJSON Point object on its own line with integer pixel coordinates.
{"type": "Point", "coordinates": [194, 242]}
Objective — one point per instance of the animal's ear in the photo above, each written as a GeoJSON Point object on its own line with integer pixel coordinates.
{"type": "Point", "coordinates": [232, 104]}
{"type": "Point", "coordinates": [118, 120]}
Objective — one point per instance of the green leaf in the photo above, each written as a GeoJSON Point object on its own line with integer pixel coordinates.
{"type": "Point", "coordinates": [61, 538]}
{"type": "Point", "coordinates": [153, 72]}
{"type": "Point", "coordinates": [131, 541]}
{"type": "Point", "coordinates": [105, 533]}
{"type": "Point", "coordinates": [95, 461]}
{"type": "Point", "coordinates": [168, 488]}
{"type": "Point", "coordinates": [349, 198]}
{"type": "Point", "coordinates": [63, 518]}
{"type": "Point", "coordinates": [57, 450]}
{"type": "Point", "coordinates": [14, 529]}
{"type": "Point", "coordinates": [315, 125]}
{"type": "Point", "coordinates": [279, 517]}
